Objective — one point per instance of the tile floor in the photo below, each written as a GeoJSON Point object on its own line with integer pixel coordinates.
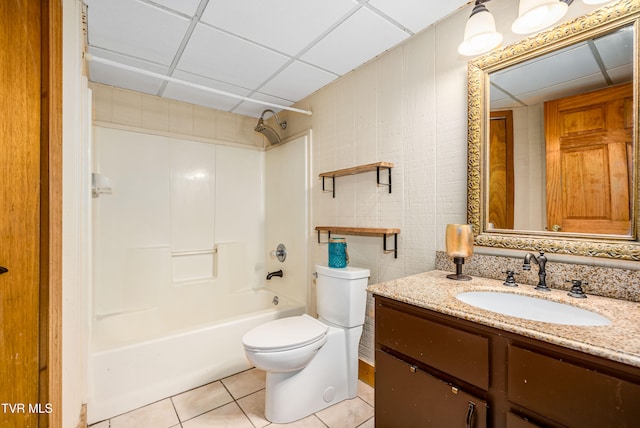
{"type": "Point", "coordinates": [238, 402]}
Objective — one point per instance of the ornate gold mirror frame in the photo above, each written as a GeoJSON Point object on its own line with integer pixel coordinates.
{"type": "Point", "coordinates": [601, 21]}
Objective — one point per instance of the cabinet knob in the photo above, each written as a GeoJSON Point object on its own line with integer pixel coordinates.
{"type": "Point", "coordinates": [413, 369]}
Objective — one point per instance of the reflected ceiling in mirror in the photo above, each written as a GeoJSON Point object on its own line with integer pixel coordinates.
{"type": "Point", "coordinates": [523, 84]}
{"type": "Point", "coordinates": [583, 67]}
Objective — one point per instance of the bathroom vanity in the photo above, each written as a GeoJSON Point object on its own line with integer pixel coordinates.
{"type": "Point", "coordinates": [443, 363]}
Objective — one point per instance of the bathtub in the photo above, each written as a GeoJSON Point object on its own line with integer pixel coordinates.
{"type": "Point", "coordinates": [134, 361]}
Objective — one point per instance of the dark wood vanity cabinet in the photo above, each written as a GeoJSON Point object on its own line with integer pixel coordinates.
{"type": "Point", "coordinates": [434, 370]}
{"type": "Point", "coordinates": [414, 398]}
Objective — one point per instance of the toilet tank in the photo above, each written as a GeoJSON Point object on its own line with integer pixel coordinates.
{"type": "Point", "coordinates": [341, 295]}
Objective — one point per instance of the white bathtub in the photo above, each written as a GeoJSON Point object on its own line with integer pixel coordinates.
{"type": "Point", "coordinates": [134, 362]}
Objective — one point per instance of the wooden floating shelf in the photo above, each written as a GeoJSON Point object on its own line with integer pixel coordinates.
{"type": "Point", "coordinates": [367, 231]}
{"type": "Point", "coordinates": [357, 170]}
{"type": "Point", "coordinates": [375, 231]}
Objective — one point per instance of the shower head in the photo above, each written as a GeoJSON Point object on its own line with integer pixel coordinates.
{"type": "Point", "coordinates": [268, 131]}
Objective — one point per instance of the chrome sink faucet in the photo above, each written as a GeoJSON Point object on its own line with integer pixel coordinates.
{"type": "Point", "coordinates": [541, 261]}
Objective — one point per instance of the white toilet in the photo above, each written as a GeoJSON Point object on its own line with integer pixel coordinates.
{"type": "Point", "coordinates": [313, 363]}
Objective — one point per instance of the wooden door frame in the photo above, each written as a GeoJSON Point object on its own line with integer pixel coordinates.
{"type": "Point", "coordinates": [50, 381]}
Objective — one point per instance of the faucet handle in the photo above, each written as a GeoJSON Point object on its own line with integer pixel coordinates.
{"type": "Point", "coordinates": [576, 288]}
{"type": "Point", "coordinates": [510, 280]}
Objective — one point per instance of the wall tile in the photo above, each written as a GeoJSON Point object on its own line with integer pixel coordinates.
{"type": "Point", "coordinates": [102, 103]}
{"type": "Point", "coordinates": [226, 126]}
{"type": "Point", "coordinates": [181, 117]}
{"type": "Point", "coordinates": [150, 113]}
{"type": "Point", "coordinates": [204, 122]}
{"type": "Point", "coordinates": [155, 113]}
{"type": "Point", "coordinates": [126, 108]}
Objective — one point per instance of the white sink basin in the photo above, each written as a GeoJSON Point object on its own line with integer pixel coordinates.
{"type": "Point", "coordinates": [532, 308]}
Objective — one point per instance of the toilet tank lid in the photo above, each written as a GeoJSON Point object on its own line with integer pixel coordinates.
{"type": "Point", "coordinates": [348, 272]}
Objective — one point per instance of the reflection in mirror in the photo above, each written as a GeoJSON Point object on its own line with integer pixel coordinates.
{"type": "Point", "coordinates": [552, 142]}
{"type": "Point", "coordinates": [560, 139]}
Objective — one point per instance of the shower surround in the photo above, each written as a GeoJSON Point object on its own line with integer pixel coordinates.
{"type": "Point", "coordinates": [182, 232]}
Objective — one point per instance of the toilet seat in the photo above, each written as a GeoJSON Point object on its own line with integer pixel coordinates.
{"type": "Point", "coordinates": [285, 334]}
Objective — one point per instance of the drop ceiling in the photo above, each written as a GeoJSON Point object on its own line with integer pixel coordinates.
{"type": "Point", "coordinates": [277, 51]}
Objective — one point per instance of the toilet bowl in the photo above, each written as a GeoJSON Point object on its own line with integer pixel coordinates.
{"type": "Point", "coordinates": [286, 344]}
{"type": "Point", "coordinates": [312, 363]}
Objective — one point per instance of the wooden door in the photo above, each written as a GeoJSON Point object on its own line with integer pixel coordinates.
{"type": "Point", "coordinates": [501, 169]}
{"type": "Point", "coordinates": [30, 167]}
{"type": "Point", "coordinates": [589, 156]}
{"type": "Point", "coordinates": [19, 211]}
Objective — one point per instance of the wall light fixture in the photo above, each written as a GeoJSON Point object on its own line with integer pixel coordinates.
{"type": "Point", "coordinates": [480, 33]}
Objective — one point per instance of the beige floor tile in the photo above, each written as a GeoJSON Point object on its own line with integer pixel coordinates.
{"type": "Point", "coordinates": [228, 415]}
{"type": "Point", "coordinates": [366, 393]}
{"type": "Point", "coordinates": [157, 415]}
{"type": "Point", "coordinates": [368, 424]}
{"type": "Point", "coordinates": [346, 414]}
{"type": "Point", "coordinates": [253, 406]}
{"type": "Point", "coordinates": [308, 422]}
{"type": "Point", "coordinates": [200, 400]}
{"type": "Point", "coordinates": [103, 424]}
{"type": "Point", "coordinates": [245, 383]}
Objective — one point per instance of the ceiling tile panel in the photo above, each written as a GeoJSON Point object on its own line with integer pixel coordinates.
{"type": "Point", "coordinates": [125, 79]}
{"type": "Point", "coordinates": [185, 93]}
{"type": "Point", "coordinates": [358, 39]}
{"type": "Point", "coordinates": [551, 70]}
{"type": "Point", "coordinates": [564, 89]}
{"type": "Point", "coordinates": [136, 29]}
{"type": "Point", "coordinates": [417, 14]}
{"type": "Point", "coordinates": [288, 85]}
{"type": "Point", "coordinates": [616, 51]}
{"type": "Point", "coordinates": [255, 110]}
{"type": "Point", "coordinates": [622, 74]}
{"type": "Point", "coordinates": [285, 25]}
{"type": "Point", "coordinates": [188, 7]}
{"type": "Point", "coordinates": [220, 56]}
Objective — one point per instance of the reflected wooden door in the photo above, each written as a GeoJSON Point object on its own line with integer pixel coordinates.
{"type": "Point", "coordinates": [501, 169]}
{"type": "Point", "coordinates": [589, 156]}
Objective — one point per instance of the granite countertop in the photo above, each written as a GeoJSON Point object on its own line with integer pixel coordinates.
{"type": "Point", "coordinates": [619, 341]}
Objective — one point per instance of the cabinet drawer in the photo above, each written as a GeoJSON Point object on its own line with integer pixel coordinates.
{"type": "Point", "coordinates": [514, 421]}
{"type": "Point", "coordinates": [459, 353]}
{"type": "Point", "coordinates": [570, 394]}
{"type": "Point", "coordinates": [408, 397]}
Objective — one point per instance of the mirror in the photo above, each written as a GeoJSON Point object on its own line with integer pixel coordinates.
{"type": "Point", "coordinates": [552, 159]}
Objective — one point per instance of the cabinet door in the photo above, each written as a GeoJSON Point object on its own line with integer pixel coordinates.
{"type": "Point", "coordinates": [569, 394]}
{"type": "Point", "coordinates": [409, 397]}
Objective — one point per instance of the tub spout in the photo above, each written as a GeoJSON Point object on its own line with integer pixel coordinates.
{"type": "Point", "coordinates": [276, 273]}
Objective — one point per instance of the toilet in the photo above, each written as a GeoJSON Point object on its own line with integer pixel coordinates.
{"type": "Point", "coordinates": [313, 363]}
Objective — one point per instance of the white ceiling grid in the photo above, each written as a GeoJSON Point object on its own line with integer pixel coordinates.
{"type": "Point", "coordinates": [277, 51]}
